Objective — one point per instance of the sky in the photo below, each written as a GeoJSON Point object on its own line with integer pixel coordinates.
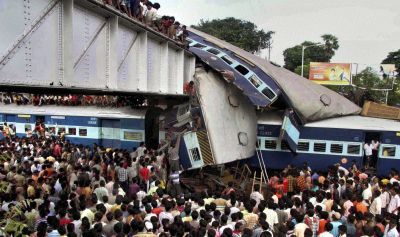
{"type": "Point", "coordinates": [367, 29]}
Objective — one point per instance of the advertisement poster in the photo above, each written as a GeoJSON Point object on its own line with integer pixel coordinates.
{"type": "Point", "coordinates": [330, 73]}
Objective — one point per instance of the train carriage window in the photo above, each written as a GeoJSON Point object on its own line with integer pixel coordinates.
{"type": "Point", "coordinates": [195, 154]}
{"type": "Point", "coordinates": [60, 130]}
{"type": "Point", "coordinates": [353, 149]}
{"type": "Point", "coordinates": [255, 81]}
{"type": "Point", "coordinates": [389, 151]}
{"type": "Point", "coordinates": [319, 146]}
{"type": "Point", "coordinates": [337, 148]}
{"type": "Point", "coordinates": [72, 131]}
{"type": "Point", "coordinates": [227, 59]}
{"type": "Point", "coordinates": [52, 129]}
{"type": "Point", "coordinates": [268, 93]}
{"type": "Point", "coordinates": [200, 46]}
{"type": "Point", "coordinates": [83, 132]}
{"type": "Point", "coordinates": [133, 136]}
{"type": "Point", "coordinates": [303, 146]}
{"type": "Point", "coordinates": [28, 127]}
{"type": "Point", "coordinates": [242, 70]}
{"type": "Point", "coordinates": [213, 51]}
{"type": "Point", "coordinates": [188, 41]}
{"type": "Point", "coordinates": [284, 146]}
{"type": "Point", "coordinates": [270, 144]}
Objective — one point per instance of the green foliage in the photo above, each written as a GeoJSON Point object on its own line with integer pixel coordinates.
{"type": "Point", "coordinates": [317, 53]}
{"type": "Point", "coordinates": [370, 79]}
{"type": "Point", "coordinates": [367, 78]}
{"type": "Point", "coordinates": [393, 58]}
{"type": "Point", "coordinates": [306, 70]}
{"type": "Point", "coordinates": [14, 221]}
{"type": "Point", "coordinates": [4, 157]}
{"type": "Point", "coordinates": [243, 34]}
{"type": "Point", "coordinates": [3, 186]}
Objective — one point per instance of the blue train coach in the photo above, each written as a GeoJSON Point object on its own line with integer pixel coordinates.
{"type": "Point", "coordinates": [109, 127]}
{"type": "Point", "coordinates": [326, 142]}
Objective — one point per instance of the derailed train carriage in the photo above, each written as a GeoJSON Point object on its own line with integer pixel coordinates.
{"type": "Point", "coordinates": [248, 104]}
{"type": "Point", "coordinates": [243, 104]}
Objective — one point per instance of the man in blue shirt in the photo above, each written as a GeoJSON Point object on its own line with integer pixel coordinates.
{"type": "Point", "coordinates": [335, 223]}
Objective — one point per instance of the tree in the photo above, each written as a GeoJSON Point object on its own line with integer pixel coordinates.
{"type": "Point", "coordinates": [317, 53]}
{"type": "Point", "coordinates": [393, 58]}
{"type": "Point", "coordinates": [370, 80]}
{"type": "Point", "coordinates": [394, 95]}
{"type": "Point", "coordinates": [243, 34]}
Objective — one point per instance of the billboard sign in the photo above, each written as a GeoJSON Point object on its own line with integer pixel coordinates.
{"type": "Point", "coordinates": [388, 68]}
{"type": "Point", "coordinates": [330, 73]}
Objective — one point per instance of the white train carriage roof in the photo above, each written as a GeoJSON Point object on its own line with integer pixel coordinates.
{"type": "Point", "coordinates": [87, 111]}
{"type": "Point", "coordinates": [304, 96]}
{"type": "Point", "coordinates": [345, 122]}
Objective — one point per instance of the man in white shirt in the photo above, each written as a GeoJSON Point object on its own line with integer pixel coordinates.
{"type": "Point", "coordinates": [385, 196]}
{"type": "Point", "coordinates": [224, 224]}
{"type": "Point", "coordinates": [368, 153]}
{"type": "Point", "coordinates": [150, 17]}
{"type": "Point", "coordinates": [376, 205]}
{"type": "Point", "coordinates": [390, 230]}
{"type": "Point", "coordinates": [393, 179]}
{"type": "Point", "coordinates": [101, 191]}
{"type": "Point", "coordinates": [327, 232]}
{"type": "Point", "coordinates": [166, 214]}
{"type": "Point", "coordinates": [367, 193]}
{"type": "Point", "coordinates": [394, 203]}
{"type": "Point", "coordinates": [256, 195]}
{"type": "Point", "coordinates": [272, 216]}
{"type": "Point", "coordinates": [140, 150]}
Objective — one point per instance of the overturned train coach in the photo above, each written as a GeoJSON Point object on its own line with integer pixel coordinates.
{"type": "Point", "coordinates": [249, 105]}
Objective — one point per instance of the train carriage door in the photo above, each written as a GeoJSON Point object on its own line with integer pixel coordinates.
{"type": "Point", "coordinates": [40, 118]}
{"type": "Point", "coordinates": [152, 127]}
{"type": "Point", "coordinates": [372, 140]}
{"type": "Point", "coordinates": [110, 133]}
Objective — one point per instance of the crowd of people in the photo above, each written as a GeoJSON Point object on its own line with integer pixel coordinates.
{"type": "Point", "coordinates": [71, 100]}
{"type": "Point", "coordinates": [147, 12]}
{"type": "Point", "coordinates": [50, 187]}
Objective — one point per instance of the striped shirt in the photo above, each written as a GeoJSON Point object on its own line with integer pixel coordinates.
{"type": "Point", "coordinates": [313, 224]}
{"type": "Point", "coordinates": [291, 183]}
{"type": "Point", "coordinates": [40, 220]}
{"type": "Point", "coordinates": [122, 174]}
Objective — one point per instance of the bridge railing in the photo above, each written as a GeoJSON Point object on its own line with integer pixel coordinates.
{"type": "Point", "coordinates": [85, 44]}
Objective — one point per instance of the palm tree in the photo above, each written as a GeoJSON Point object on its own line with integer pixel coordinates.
{"type": "Point", "coordinates": [331, 44]}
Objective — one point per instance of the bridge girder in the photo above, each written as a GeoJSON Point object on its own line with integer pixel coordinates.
{"type": "Point", "coordinates": [87, 45]}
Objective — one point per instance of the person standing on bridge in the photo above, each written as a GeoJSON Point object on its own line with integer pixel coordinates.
{"type": "Point", "coordinates": [188, 88]}
{"type": "Point", "coordinates": [151, 15]}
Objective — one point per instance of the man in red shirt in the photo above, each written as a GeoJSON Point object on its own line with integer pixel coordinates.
{"type": "Point", "coordinates": [188, 88]}
{"type": "Point", "coordinates": [144, 173]}
{"type": "Point", "coordinates": [285, 185]}
{"type": "Point", "coordinates": [156, 209]}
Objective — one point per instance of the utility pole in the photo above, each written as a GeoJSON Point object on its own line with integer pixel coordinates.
{"type": "Point", "coordinates": [269, 46]}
